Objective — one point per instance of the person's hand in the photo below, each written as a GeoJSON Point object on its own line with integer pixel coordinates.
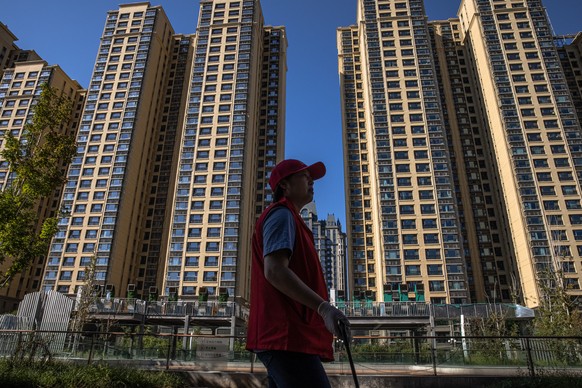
{"type": "Point", "coordinates": [332, 318]}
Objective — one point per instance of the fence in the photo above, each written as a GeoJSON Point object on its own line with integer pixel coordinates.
{"type": "Point", "coordinates": [384, 309]}
{"type": "Point", "coordinates": [120, 306]}
{"type": "Point", "coordinates": [379, 354]}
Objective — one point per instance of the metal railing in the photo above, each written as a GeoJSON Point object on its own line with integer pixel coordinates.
{"type": "Point", "coordinates": [384, 309]}
{"type": "Point", "coordinates": [122, 306]}
{"type": "Point", "coordinates": [379, 355]}
{"type": "Point", "coordinates": [351, 309]}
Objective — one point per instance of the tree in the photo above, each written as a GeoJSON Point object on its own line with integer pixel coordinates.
{"type": "Point", "coordinates": [37, 161]}
{"type": "Point", "coordinates": [558, 315]}
{"type": "Point", "coordinates": [493, 324]}
{"type": "Point", "coordinates": [86, 297]}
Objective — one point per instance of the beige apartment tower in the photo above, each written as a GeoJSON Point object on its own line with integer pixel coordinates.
{"type": "Point", "coordinates": [510, 128]}
{"type": "Point", "coordinates": [404, 233]}
{"type": "Point", "coordinates": [108, 183]}
{"type": "Point", "coordinates": [20, 87]}
{"type": "Point", "coordinates": [7, 47]}
{"type": "Point", "coordinates": [233, 137]}
{"type": "Point", "coordinates": [534, 134]}
{"type": "Point", "coordinates": [177, 139]}
{"type": "Point", "coordinates": [490, 264]}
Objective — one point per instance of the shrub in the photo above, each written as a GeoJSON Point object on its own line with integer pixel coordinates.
{"type": "Point", "coordinates": [61, 375]}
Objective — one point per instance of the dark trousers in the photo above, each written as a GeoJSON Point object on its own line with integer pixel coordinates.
{"type": "Point", "coordinates": [290, 369]}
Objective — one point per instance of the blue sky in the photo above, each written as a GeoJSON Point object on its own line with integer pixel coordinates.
{"type": "Point", "coordinates": [67, 32]}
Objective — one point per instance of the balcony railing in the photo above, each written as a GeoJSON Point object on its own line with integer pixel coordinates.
{"type": "Point", "coordinates": [121, 306]}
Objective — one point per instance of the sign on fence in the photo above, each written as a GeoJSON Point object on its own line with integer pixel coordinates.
{"type": "Point", "coordinates": [212, 349]}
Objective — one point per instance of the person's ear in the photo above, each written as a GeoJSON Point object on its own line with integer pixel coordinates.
{"type": "Point", "coordinates": [284, 184]}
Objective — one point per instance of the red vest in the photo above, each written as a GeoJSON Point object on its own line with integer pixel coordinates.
{"type": "Point", "coordinates": [277, 322]}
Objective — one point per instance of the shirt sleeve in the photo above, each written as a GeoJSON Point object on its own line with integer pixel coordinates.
{"type": "Point", "coordinates": [278, 231]}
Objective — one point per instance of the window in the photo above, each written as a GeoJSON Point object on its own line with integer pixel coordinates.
{"type": "Point", "coordinates": [406, 209]}
{"type": "Point", "coordinates": [408, 224]}
{"type": "Point", "coordinates": [409, 239]}
{"type": "Point", "coordinates": [413, 270]}
{"type": "Point", "coordinates": [424, 181]}
{"type": "Point", "coordinates": [411, 254]}
{"type": "Point", "coordinates": [548, 190]}
{"type": "Point", "coordinates": [429, 223]}
{"type": "Point", "coordinates": [215, 218]}
{"type": "Point", "coordinates": [427, 209]}
{"type": "Point", "coordinates": [216, 192]}
{"type": "Point", "coordinates": [210, 276]}
{"type": "Point", "coordinates": [426, 194]}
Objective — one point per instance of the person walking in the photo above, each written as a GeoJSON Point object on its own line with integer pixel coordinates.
{"type": "Point", "coordinates": [291, 323]}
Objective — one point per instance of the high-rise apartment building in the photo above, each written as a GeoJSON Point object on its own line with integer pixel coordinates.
{"type": "Point", "coordinates": [489, 259]}
{"type": "Point", "coordinates": [534, 134]}
{"type": "Point", "coordinates": [109, 181]}
{"type": "Point", "coordinates": [7, 46]}
{"type": "Point", "coordinates": [233, 135]}
{"type": "Point", "coordinates": [177, 139]}
{"type": "Point", "coordinates": [571, 56]}
{"type": "Point", "coordinates": [330, 243]}
{"type": "Point", "coordinates": [10, 52]}
{"type": "Point", "coordinates": [154, 233]}
{"type": "Point", "coordinates": [402, 222]}
{"type": "Point", "coordinates": [20, 87]}
{"type": "Point", "coordinates": [511, 132]}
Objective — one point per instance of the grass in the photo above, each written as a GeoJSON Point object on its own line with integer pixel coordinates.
{"type": "Point", "coordinates": [61, 375]}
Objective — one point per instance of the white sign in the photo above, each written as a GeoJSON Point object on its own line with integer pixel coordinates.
{"type": "Point", "coordinates": [210, 348]}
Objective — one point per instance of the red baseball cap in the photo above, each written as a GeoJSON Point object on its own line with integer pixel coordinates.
{"type": "Point", "coordinates": [289, 167]}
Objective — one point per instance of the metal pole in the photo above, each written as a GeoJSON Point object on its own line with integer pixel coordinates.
{"type": "Point", "coordinates": [530, 363]}
{"type": "Point", "coordinates": [232, 328]}
{"type": "Point", "coordinates": [170, 342]}
{"type": "Point", "coordinates": [347, 345]}
{"type": "Point", "coordinates": [186, 332]}
{"type": "Point", "coordinates": [416, 348]}
{"type": "Point", "coordinates": [433, 341]}
{"type": "Point", "coordinates": [463, 339]}
{"type": "Point", "coordinates": [174, 342]}
{"type": "Point", "coordinates": [91, 349]}
{"type": "Point", "coordinates": [434, 361]}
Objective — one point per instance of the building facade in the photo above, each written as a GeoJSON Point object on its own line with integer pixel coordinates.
{"type": "Point", "coordinates": [570, 51]}
{"type": "Point", "coordinates": [233, 135]}
{"type": "Point", "coordinates": [108, 181]}
{"type": "Point", "coordinates": [330, 243]}
{"type": "Point", "coordinates": [402, 220]}
{"type": "Point", "coordinates": [20, 87]}
{"type": "Point", "coordinates": [176, 142]}
{"type": "Point", "coordinates": [489, 257]}
{"type": "Point", "coordinates": [535, 137]}
{"type": "Point", "coordinates": [511, 134]}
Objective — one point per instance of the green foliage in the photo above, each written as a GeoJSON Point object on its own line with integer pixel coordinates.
{"type": "Point", "coordinates": [399, 351]}
{"type": "Point", "coordinates": [86, 298]}
{"type": "Point", "coordinates": [558, 315]}
{"type": "Point", "coordinates": [63, 375]}
{"type": "Point", "coordinates": [36, 160]}
{"type": "Point", "coordinates": [492, 351]}
{"type": "Point", "coordinates": [240, 345]}
{"type": "Point", "coordinates": [156, 346]}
